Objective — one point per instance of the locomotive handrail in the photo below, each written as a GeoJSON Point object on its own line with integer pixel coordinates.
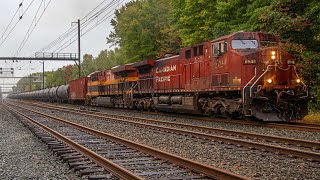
{"type": "Point", "coordinates": [295, 71]}
{"type": "Point", "coordinates": [267, 71]}
{"type": "Point", "coordinates": [243, 91]}
{"type": "Point", "coordinates": [259, 78]}
{"type": "Point", "coordinates": [304, 85]}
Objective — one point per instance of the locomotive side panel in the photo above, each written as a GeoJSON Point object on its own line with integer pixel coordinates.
{"type": "Point", "coordinates": [196, 63]}
{"type": "Point", "coordinates": [145, 70]}
{"type": "Point", "coordinates": [167, 75]}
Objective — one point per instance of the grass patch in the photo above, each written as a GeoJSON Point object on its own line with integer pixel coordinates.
{"type": "Point", "coordinates": [312, 118]}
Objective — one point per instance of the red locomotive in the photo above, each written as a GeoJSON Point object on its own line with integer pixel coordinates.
{"type": "Point", "coordinates": [242, 74]}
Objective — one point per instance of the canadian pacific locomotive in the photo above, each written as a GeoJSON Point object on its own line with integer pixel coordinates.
{"type": "Point", "coordinates": [241, 74]}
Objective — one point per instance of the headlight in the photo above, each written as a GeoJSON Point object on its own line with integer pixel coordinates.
{"type": "Point", "coordinates": [273, 54]}
{"type": "Point", "coordinates": [269, 81]}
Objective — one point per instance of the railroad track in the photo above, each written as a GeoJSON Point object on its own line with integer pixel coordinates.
{"type": "Point", "coordinates": [92, 151]}
{"type": "Point", "coordinates": [302, 148]}
{"type": "Point", "coordinates": [279, 125]}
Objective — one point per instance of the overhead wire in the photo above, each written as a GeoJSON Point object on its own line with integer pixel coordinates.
{"type": "Point", "coordinates": [19, 7]}
{"type": "Point", "coordinates": [72, 32]}
{"type": "Point", "coordinates": [23, 12]}
{"type": "Point", "coordinates": [105, 17]}
{"type": "Point", "coordinates": [33, 20]}
{"type": "Point", "coordinates": [27, 36]}
{"type": "Point", "coordinates": [62, 40]}
{"type": "Point", "coordinates": [9, 23]}
{"type": "Point", "coordinates": [31, 29]}
{"type": "Point", "coordinates": [85, 22]}
{"type": "Point", "coordinates": [68, 32]}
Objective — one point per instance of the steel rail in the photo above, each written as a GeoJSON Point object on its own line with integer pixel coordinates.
{"type": "Point", "coordinates": [103, 162]}
{"type": "Point", "coordinates": [189, 164]}
{"type": "Point", "coordinates": [298, 127]}
{"type": "Point", "coordinates": [272, 148]}
{"type": "Point", "coordinates": [279, 125]}
{"type": "Point", "coordinates": [298, 142]}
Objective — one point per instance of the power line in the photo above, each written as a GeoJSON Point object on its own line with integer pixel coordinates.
{"type": "Point", "coordinates": [105, 17]}
{"type": "Point", "coordinates": [25, 37]}
{"type": "Point", "coordinates": [86, 25]}
{"type": "Point", "coordinates": [72, 31]}
{"type": "Point", "coordinates": [10, 22]}
{"type": "Point", "coordinates": [16, 22]}
{"type": "Point", "coordinates": [36, 23]}
{"type": "Point", "coordinates": [68, 32]}
{"type": "Point", "coordinates": [31, 29]}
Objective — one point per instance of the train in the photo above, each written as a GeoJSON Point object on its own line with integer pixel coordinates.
{"type": "Point", "coordinates": [243, 74]}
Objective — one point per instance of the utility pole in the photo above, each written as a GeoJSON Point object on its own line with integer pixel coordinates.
{"type": "Point", "coordinates": [42, 74]}
{"type": "Point", "coordinates": [30, 84]}
{"type": "Point", "coordinates": [79, 48]}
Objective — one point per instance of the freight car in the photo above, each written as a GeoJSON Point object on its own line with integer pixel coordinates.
{"type": "Point", "coordinates": [241, 74]}
{"type": "Point", "coordinates": [54, 94]}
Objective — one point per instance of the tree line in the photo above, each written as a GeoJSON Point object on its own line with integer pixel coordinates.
{"type": "Point", "coordinates": [148, 29]}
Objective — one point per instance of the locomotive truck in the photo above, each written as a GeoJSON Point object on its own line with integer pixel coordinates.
{"type": "Point", "coordinates": [244, 74]}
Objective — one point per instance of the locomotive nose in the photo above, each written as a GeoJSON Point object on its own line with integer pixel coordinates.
{"type": "Point", "coordinates": [279, 70]}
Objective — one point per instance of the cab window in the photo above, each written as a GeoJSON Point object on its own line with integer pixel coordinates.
{"type": "Point", "coordinates": [188, 54]}
{"type": "Point", "coordinates": [219, 48]}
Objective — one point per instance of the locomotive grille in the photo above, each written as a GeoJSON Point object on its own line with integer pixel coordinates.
{"type": "Point", "coordinates": [224, 80]}
{"type": "Point", "coordinates": [215, 80]}
{"type": "Point", "coordinates": [220, 80]}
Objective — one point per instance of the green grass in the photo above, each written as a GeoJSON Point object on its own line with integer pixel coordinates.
{"type": "Point", "coordinates": [312, 118]}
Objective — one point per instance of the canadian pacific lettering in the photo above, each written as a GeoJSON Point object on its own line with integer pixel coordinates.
{"type": "Point", "coordinates": [162, 78]}
{"type": "Point", "coordinates": [166, 69]}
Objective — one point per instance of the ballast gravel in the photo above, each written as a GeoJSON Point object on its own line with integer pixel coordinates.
{"type": "Point", "coordinates": [254, 164]}
{"type": "Point", "coordinates": [23, 156]}
{"type": "Point", "coordinates": [312, 136]}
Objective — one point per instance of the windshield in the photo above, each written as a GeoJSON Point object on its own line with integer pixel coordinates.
{"type": "Point", "coordinates": [244, 44]}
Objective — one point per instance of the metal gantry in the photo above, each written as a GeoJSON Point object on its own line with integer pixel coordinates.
{"type": "Point", "coordinates": [46, 56]}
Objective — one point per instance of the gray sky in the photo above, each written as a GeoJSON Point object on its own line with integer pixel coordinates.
{"type": "Point", "coordinates": [54, 22]}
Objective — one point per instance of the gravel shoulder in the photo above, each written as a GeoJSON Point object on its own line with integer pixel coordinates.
{"type": "Point", "coordinates": [23, 156]}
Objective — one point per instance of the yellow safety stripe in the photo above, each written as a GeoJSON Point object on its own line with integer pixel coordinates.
{"type": "Point", "coordinates": [114, 81]}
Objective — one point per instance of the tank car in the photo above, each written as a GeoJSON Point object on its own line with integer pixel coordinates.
{"type": "Point", "coordinates": [62, 93]}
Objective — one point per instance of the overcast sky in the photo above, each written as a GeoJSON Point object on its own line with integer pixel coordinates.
{"type": "Point", "coordinates": [55, 21]}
